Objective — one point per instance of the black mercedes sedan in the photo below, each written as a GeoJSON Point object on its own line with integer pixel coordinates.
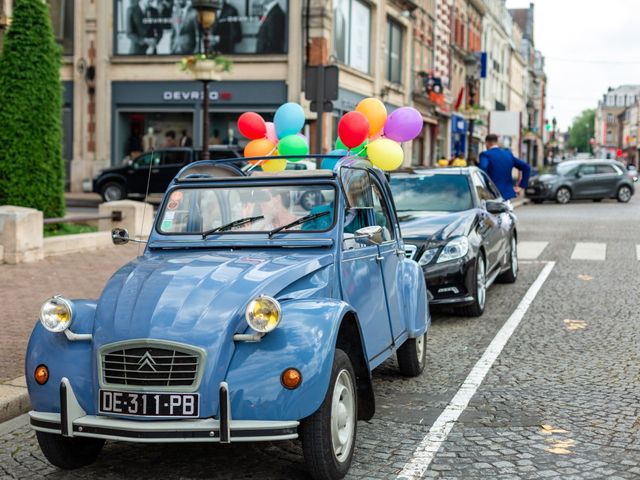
{"type": "Point", "coordinates": [457, 227]}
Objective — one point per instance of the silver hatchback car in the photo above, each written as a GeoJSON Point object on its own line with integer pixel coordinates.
{"type": "Point", "coordinates": [582, 179]}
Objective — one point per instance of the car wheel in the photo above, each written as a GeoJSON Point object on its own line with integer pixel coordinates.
{"type": "Point", "coordinates": [563, 195]}
{"type": "Point", "coordinates": [624, 194]}
{"type": "Point", "coordinates": [479, 292]}
{"type": "Point", "coordinates": [328, 436]}
{"type": "Point", "coordinates": [308, 200]}
{"type": "Point", "coordinates": [412, 356]}
{"type": "Point", "coordinates": [69, 453]}
{"type": "Point", "coordinates": [511, 275]}
{"type": "Point", "coordinates": [112, 191]}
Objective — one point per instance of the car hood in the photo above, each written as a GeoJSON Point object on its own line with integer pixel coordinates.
{"type": "Point", "coordinates": [547, 178]}
{"type": "Point", "coordinates": [437, 226]}
{"type": "Point", "coordinates": [117, 169]}
{"type": "Point", "coordinates": [196, 298]}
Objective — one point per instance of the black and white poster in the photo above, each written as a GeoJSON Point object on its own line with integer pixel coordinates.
{"type": "Point", "coordinates": [170, 27]}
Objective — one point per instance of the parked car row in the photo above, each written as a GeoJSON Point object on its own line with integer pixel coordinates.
{"type": "Point", "coordinates": [256, 316]}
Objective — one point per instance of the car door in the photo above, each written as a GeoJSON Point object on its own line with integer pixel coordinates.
{"type": "Point", "coordinates": [608, 178]}
{"type": "Point", "coordinates": [585, 184]}
{"type": "Point", "coordinates": [390, 257]}
{"type": "Point", "coordinates": [139, 172]}
{"type": "Point", "coordinates": [361, 282]}
{"type": "Point", "coordinates": [171, 161]}
{"type": "Point", "coordinates": [493, 237]}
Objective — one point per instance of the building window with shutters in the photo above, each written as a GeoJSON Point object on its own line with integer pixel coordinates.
{"type": "Point", "coordinates": [393, 52]}
{"type": "Point", "coordinates": [61, 14]}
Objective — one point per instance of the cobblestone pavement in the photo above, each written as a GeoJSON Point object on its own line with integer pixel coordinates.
{"type": "Point", "coordinates": [561, 401]}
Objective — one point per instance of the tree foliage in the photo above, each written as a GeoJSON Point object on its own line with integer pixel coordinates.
{"type": "Point", "coordinates": [31, 164]}
{"type": "Point", "coordinates": [582, 130]}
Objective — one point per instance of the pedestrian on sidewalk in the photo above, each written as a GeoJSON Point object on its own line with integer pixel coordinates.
{"type": "Point", "coordinates": [499, 164]}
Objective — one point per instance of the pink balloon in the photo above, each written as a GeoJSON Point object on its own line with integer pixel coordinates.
{"type": "Point", "coordinates": [403, 124]}
{"type": "Point", "coordinates": [271, 132]}
{"type": "Point", "coordinates": [301, 135]}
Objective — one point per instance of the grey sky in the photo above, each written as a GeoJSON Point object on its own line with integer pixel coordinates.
{"type": "Point", "coordinates": [589, 45]}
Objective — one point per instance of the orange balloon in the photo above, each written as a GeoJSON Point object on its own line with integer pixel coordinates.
{"type": "Point", "coordinates": [376, 113]}
{"type": "Point", "coordinates": [260, 147]}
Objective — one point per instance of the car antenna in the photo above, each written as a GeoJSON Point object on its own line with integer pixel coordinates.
{"type": "Point", "coordinates": [146, 194]}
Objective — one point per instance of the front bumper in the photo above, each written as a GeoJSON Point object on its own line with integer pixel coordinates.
{"type": "Point", "coordinates": [72, 421]}
{"type": "Point", "coordinates": [450, 283]}
{"type": "Point", "coordinates": [539, 191]}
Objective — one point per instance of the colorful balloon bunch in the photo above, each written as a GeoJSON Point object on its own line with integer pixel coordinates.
{"type": "Point", "coordinates": [280, 137]}
{"type": "Point", "coordinates": [370, 132]}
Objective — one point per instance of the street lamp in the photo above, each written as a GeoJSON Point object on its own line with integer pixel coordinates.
{"type": "Point", "coordinates": [206, 17]}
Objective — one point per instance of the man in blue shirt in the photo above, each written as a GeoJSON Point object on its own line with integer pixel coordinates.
{"type": "Point", "coordinates": [499, 164]}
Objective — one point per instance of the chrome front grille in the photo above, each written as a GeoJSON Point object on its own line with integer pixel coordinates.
{"type": "Point", "coordinates": [410, 251]}
{"type": "Point", "coordinates": [150, 365]}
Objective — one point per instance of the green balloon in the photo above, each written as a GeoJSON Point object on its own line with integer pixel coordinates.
{"type": "Point", "coordinates": [360, 150]}
{"type": "Point", "coordinates": [293, 145]}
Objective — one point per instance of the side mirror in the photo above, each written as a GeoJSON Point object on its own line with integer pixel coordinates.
{"type": "Point", "coordinates": [578, 175]}
{"type": "Point", "coordinates": [496, 207]}
{"type": "Point", "coordinates": [369, 235]}
{"type": "Point", "coordinates": [119, 236]}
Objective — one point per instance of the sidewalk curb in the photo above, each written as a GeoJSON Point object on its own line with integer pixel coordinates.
{"type": "Point", "coordinates": [14, 398]}
{"type": "Point", "coordinates": [519, 202]}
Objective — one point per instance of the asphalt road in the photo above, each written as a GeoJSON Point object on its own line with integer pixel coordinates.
{"type": "Point", "coordinates": [559, 401]}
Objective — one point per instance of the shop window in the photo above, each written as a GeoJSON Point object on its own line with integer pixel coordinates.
{"type": "Point", "coordinates": [170, 27]}
{"type": "Point", "coordinates": [352, 33]}
{"type": "Point", "coordinates": [61, 14]}
{"type": "Point", "coordinates": [393, 52]}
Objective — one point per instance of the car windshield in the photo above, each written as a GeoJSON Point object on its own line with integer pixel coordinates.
{"type": "Point", "coordinates": [563, 168]}
{"type": "Point", "coordinates": [245, 209]}
{"type": "Point", "coordinates": [443, 193]}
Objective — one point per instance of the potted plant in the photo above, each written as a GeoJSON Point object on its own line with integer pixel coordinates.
{"type": "Point", "coordinates": [206, 67]}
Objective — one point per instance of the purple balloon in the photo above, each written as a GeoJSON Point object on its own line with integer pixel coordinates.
{"type": "Point", "coordinates": [403, 124]}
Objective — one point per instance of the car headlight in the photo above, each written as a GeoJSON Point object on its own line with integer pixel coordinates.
{"type": "Point", "coordinates": [263, 314]}
{"type": "Point", "coordinates": [456, 248]}
{"type": "Point", "coordinates": [427, 256]}
{"type": "Point", "coordinates": [56, 314]}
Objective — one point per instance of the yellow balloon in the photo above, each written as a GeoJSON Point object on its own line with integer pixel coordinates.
{"type": "Point", "coordinates": [376, 113]}
{"type": "Point", "coordinates": [385, 154]}
{"type": "Point", "coordinates": [275, 165]}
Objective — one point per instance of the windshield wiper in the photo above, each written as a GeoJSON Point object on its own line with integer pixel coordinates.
{"type": "Point", "coordinates": [230, 225]}
{"type": "Point", "coordinates": [299, 221]}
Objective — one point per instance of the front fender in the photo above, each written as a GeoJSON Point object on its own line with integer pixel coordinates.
{"type": "Point", "coordinates": [415, 306]}
{"type": "Point", "coordinates": [305, 339]}
{"type": "Point", "coordinates": [64, 358]}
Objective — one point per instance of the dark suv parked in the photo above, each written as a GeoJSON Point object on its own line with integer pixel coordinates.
{"type": "Point", "coordinates": [157, 168]}
{"type": "Point", "coordinates": [582, 179]}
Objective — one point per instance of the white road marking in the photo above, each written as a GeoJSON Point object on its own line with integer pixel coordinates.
{"type": "Point", "coordinates": [431, 443]}
{"type": "Point", "coordinates": [638, 252]}
{"type": "Point", "coordinates": [531, 250]}
{"type": "Point", "coordinates": [589, 251]}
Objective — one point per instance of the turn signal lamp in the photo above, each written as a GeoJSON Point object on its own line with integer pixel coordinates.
{"type": "Point", "coordinates": [41, 374]}
{"type": "Point", "coordinates": [263, 314]}
{"type": "Point", "coordinates": [56, 314]}
{"type": "Point", "coordinates": [291, 378]}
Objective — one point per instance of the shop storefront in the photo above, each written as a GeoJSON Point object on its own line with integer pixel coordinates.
{"type": "Point", "coordinates": [150, 115]}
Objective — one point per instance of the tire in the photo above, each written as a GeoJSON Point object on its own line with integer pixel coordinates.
{"type": "Point", "coordinates": [323, 435]}
{"type": "Point", "coordinates": [563, 196]}
{"type": "Point", "coordinates": [310, 199]}
{"type": "Point", "coordinates": [69, 453]}
{"type": "Point", "coordinates": [412, 356]}
{"type": "Point", "coordinates": [511, 275]}
{"type": "Point", "coordinates": [112, 191]}
{"type": "Point", "coordinates": [476, 309]}
{"type": "Point", "coordinates": [624, 194]}
{"type": "Point", "coordinates": [537, 201]}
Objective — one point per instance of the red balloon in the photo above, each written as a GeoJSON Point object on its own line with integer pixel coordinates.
{"type": "Point", "coordinates": [353, 129]}
{"type": "Point", "coordinates": [252, 125]}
